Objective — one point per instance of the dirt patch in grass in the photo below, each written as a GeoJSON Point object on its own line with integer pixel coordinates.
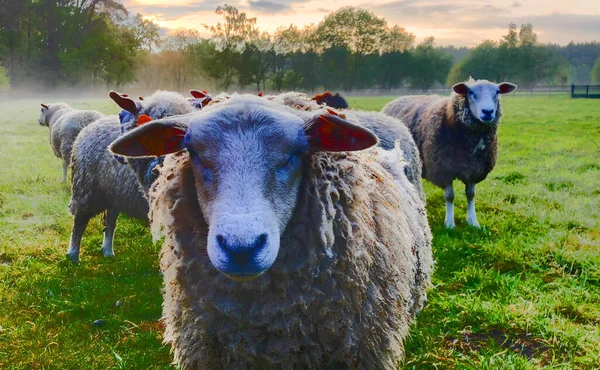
{"type": "Point", "coordinates": [521, 343]}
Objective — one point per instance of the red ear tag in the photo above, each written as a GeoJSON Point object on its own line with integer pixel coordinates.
{"type": "Point", "coordinates": [142, 119]}
{"type": "Point", "coordinates": [204, 91]}
{"type": "Point", "coordinates": [260, 94]}
{"type": "Point", "coordinates": [332, 112]}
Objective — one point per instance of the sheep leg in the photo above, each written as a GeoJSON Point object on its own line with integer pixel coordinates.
{"type": "Point", "coordinates": [449, 195]}
{"type": "Point", "coordinates": [65, 168]}
{"type": "Point", "coordinates": [110, 224]}
{"type": "Point", "coordinates": [471, 216]}
{"type": "Point", "coordinates": [79, 225]}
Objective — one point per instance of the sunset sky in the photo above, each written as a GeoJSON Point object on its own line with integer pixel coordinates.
{"type": "Point", "coordinates": [456, 22]}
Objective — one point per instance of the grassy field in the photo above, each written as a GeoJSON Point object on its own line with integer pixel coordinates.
{"type": "Point", "coordinates": [521, 293]}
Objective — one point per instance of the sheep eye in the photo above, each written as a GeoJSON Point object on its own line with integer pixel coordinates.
{"type": "Point", "coordinates": [207, 171]}
{"type": "Point", "coordinates": [292, 160]}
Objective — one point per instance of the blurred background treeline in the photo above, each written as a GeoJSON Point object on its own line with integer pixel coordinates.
{"type": "Point", "coordinates": [47, 45]}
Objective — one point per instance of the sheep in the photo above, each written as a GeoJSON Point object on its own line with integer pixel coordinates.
{"type": "Point", "coordinates": [201, 98]}
{"type": "Point", "coordinates": [102, 184]}
{"type": "Point", "coordinates": [456, 136]}
{"type": "Point", "coordinates": [291, 241]}
{"type": "Point", "coordinates": [65, 123]}
{"type": "Point", "coordinates": [158, 105]}
{"type": "Point", "coordinates": [334, 101]}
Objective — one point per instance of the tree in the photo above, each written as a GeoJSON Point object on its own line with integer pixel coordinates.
{"type": "Point", "coordinates": [517, 57]}
{"type": "Point", "coordinates": [255, 62]}
{"type": "Point", "coordinates": [176, 50]}
{"type": "Point", "coordinates": [230, 37]}
{"type": "Point", "coordinates": [58, 42]}
{"type": "Point", "coordinates": [482, 62]}
{"type": "Point", "coordinates": [357, 31]}
{"type": "Point", "coordinates": [286, 41]}
{"type": "Point", "coordinates": [596, 72]}
{"type": "Point", "coordinates": [430, 65]}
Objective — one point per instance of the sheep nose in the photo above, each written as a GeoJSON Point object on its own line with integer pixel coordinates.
{"type": "Point", "coordinates": [241, 253]}
{"type": "Point", "coordinates": [487, 112]}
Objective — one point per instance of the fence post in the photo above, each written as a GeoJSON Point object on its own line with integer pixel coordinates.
{"type": "Point", "coordinates": [587, 90]}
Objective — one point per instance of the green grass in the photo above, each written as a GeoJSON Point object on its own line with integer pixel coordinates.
{"type": "Point", "coordinates": [521, 293]}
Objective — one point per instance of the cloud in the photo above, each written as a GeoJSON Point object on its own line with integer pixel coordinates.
{"type": "Point", "coordinates": [458, 22]}
{"type": "Point", "coordinates": [468, 23]}
{"type": "Point", "coordinates": [269, 7]}
{"type": "Point", "coordinates": [172, 12]}
{"type": "Point", "coordinates": [556, 27]}
{"type": "Point", "coordinates": [433, 13]}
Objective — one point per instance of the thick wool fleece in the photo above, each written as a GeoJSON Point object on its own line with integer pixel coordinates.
{"type": "Point", "coordinates": [100, 182]}
{"type": "Point", "coordinates": [352, 271]}
{"type": "Point", "coordinates": [452, 143]}
{"type": "Point", "coordinates": [65, 123]}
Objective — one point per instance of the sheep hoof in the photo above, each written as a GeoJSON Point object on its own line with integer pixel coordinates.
{"type": "Point", "coordinates": [108, 253]}
{"type": "Point", "coordinates": [73, 257]}
{"type": "Point", "coordinates": [449, 225]}
{"type": "Point", "coordinates": [474, 223]}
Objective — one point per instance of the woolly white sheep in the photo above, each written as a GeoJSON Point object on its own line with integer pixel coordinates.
{"type": "Point", "coordinates": [291, 242]}
{"type": "Point", "coordinates": [65, 123]}
{"type": "Point", "coordinates": [101, 183]}
{"type": "Point", "coordinates": [456, 136]}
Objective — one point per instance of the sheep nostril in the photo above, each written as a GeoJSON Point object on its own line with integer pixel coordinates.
{"type": "Point", "coordinates": [221, 242]}
{"type": "Point", "coordinates": [261, 241]}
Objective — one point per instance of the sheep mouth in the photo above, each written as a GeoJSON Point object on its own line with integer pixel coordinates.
{"type": "Point", "coordinates": [243, 278]}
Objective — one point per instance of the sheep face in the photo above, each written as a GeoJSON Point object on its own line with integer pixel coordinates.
{"type": "Point", "coordinates": [483, 98]}
{"type": "Point", "coordinates": [247, 161]}
{"type": "Point", "coordinates": [247, 167]}
{"type": "Point", "coordinates": [42, 120]}
{"type": "Point", "coordinates": [334, 101]}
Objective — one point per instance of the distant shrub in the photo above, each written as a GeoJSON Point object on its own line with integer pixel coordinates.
{"type": "Point", "coordinates": [4, 81]}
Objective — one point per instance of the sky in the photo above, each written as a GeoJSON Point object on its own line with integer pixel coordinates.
{"type": "Point", "coordinates": [451, 22]}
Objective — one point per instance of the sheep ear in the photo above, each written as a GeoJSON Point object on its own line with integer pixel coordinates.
{"type": "Point", "coordinates": [461, 88]}
{"type": "Point", "coordinates": [506, 87]}
{"type": "Point", "coordinates": [141, 98]}
{"type": "Point", "coordinates": [198, 94]}
{"type": "Point", "coordinates": [154, 138]}
{"type": "Point", "coordinates": [45, 106]}
{"type": "Point", "coordinates": [124, 102]}
{"type": "Point", "coordinates": [331, 133]}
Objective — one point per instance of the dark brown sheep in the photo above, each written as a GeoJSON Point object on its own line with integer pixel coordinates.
{"type": "Point", "coordinates": [456, 136]}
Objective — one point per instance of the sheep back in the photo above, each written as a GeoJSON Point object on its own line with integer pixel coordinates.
{"type": "Point", "coordinates": [99, 181]}
{"type": "Point", "coordinates": [352, 271]}
{"type": "Point", "coordinates": [449, 146]}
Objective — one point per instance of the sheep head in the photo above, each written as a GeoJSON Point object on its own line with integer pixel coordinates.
{"type": "Point", "coordinates": [482, 97]}
{"type": "Point", "coordinates": [248, 157]}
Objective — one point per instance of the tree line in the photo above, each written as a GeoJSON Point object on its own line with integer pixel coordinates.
{"type": "Point", "coordinates": [62, 43]}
